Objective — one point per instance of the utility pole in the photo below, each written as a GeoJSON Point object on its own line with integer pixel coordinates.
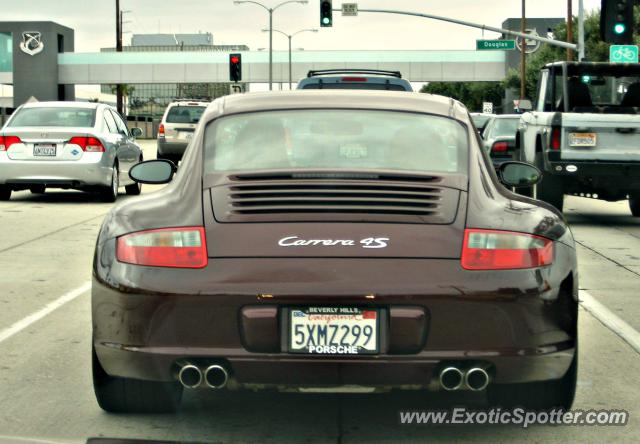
{"type": "Point", "coordinates": [569, 29]}
{"type": "Point", "coordinates": [581, 47]}
{"type": "Point", "coordinates": [119, 95]}
{"type": "Point", "coordinates": [523, 58]}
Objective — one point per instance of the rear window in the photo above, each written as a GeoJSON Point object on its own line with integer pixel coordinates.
{"type": "Point", "coordinates": [185, 114]}
{"type": "Point", "coordinates": [335, 139]}
{"type": "Point", "coordinates": [504, 128]}
{"type": "Point", "coordinates": [357, 85]}
{"type": "Point", "coordinates": [51, 116]}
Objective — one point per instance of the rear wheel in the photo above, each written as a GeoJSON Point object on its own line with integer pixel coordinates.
{"type": "Point", "coordinates": [125, 395]}
{"type": "Point", "coordinates": [544, 395]}
{"type": "Point", "coordinates": [527, 192]}
{"type": "Point", "coordinates": [38, 189]}
{"type": "Point", "coordinates": [550, 188]}
{"type": "Point", "coordinates": [5, 192]}
{"type": "Point", "coordinates": [135, 188]}
{"type": "Point", "coordinates": [110, 192]}
{"type": "Point", "coordinates": [634, 204]}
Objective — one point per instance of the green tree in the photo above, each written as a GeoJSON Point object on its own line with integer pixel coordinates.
{"type": "Point", "coordinates": [472, 94]}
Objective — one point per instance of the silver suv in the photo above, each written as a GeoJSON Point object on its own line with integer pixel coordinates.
{"type": "Point", "coordinates": [177, 126]}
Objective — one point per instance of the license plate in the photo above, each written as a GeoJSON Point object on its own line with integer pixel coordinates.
{"type": "Point", "coordinates": [583, 139]}
{"type": "Point", "coordinates": [185, 135]}
{"type": "Point", "coordinates": [45, 150]}
{"type": "Point", "coordinates": [333, 330]}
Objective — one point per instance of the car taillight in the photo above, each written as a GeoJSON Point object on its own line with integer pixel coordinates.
{"type": "Point", "coordinates": [504, 250]}
{"type": "Point", "coordinates": [183, 247]}
{"type": "Point", "coordinates": [88, 144]}
{"type": "Point", "coordinates": [500, 147]}
{"type": "Point", "coordinates": [354, 79]}
{"type": "Point", "coordinates": [556, 138]}
{"type": "Point", "coordinates": [7, 141]}
{"type": "Point", "coordinates": [161, 130]}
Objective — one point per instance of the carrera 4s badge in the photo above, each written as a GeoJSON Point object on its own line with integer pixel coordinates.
{"type": "Point", "coordinates": [369, 242]}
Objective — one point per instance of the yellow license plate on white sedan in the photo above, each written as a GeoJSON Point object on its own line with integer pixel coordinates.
{"type": "Point", "coordinates": [583, 139]}
{"type": "Point", "coordinates": [333, 330]}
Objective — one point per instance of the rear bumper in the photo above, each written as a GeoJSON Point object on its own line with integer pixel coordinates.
{"type": "Point", "coordinates": [513, 322]}
{"type": "Point", "coordinates": [89, 171]}
{"type": "Point", "coordinates": [171, 149]}
{"type": "Point", "coordinates": [605, 178]}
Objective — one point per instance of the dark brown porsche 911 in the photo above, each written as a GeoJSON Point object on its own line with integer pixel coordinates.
{"type": "Point", "coordinates": [324, 240]}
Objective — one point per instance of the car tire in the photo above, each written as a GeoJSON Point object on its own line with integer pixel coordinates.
{"type": "Point", "coordinates": [125, 395]}
{"type": "Point", "coordinates": [110, 192]}
{"type": "Point", "coordinates": [135, 188]}
{"type": "Point", "coordinates": [544, 395]}
{"type": "Point", "coordinates": [5, 192]}
{"type": "Point", "coordinates": [526, 191]}
{"type": "Point", "coordinates": [38, 189]}
{"type": "Point", "coordinates": [634, 204]}
{"type": "Point", "coordinates": [550, 188]}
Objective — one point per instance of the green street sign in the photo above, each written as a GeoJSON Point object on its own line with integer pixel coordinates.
{"type": "Point", "coordinates": [623, 54]}
{"type": "Point", "coordinates": [495, 45]}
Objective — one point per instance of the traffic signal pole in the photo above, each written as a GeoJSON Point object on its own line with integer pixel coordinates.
{"type": "Point", "coordinates": [119, 95]}
{"type": "Point", "coordinates": [553, 42]}
{"type": "Point", "coordinates": [581, 48]}
{"type": "Point", "coordinates": [523, 53]}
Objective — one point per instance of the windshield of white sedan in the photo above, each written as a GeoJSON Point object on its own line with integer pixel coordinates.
{"type": "Point", "coordinates": [335, 139]}
{"type": "Point", "coordinates": [185, 114]}
{"type": "Point", "coordinates": [504, 128]}
{"type": "Point", "coordinates": [50, 116]}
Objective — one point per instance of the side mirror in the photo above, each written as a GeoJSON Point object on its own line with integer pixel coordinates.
{"type": "Point", "coordinates": [153, 172]}
{"type": "Point", "coordinates": [524, 105]}
{"type": "Point", "coordinates": [136, 132]}
{"type": "Point", "coordinates": [518, 174]}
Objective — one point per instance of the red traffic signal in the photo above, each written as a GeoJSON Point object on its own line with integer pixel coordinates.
{"type": "Point", "coordinates": [235, 67]}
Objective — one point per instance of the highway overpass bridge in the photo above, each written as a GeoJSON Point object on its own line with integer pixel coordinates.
{"type": "Point", "coordinates": [213, 67]}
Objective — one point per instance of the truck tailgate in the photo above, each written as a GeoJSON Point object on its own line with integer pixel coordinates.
{"type": "Point", "coordinates": [603, 137]}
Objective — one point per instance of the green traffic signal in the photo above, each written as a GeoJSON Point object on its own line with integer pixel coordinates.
{"type": "Point", "coordinates": [619, 28]}
{"type": "Point", "coordinates": [326, 13]}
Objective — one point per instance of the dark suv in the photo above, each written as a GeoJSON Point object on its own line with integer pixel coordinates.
{"type": "Point", "coordinates": [370, 79]}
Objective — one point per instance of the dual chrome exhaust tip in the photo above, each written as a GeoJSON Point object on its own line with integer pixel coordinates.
{"type": "Point", "coordinates": [214, 376]}
{"type": "Point", "coordinates": [452, 378]}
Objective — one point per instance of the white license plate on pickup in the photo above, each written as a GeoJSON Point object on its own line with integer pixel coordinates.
{"type": "Point", "coordinates": [583, 139]}
{"type": "Point", "coordinates": [333, 330]}
{"type": "Point", "coordinates": [44, 150]}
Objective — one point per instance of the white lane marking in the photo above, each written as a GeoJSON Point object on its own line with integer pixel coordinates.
{"type": "Point", "coordinates": [44, 311]}
{"type": "Point", "coordinates": [11, 439]}
{"type": "Point", "coordinates": [610, 320]}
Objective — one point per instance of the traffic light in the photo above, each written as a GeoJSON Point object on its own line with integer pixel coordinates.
{"type": "Point", "coordinates": [326, 13]}
{"type": "Point", "coordinates": [235, 67]}
{"type": "Point", "coordinates": [616, 21]}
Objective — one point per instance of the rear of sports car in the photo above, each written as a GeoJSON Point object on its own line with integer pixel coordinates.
{"type": "Point", "coordinates": [360, 258]}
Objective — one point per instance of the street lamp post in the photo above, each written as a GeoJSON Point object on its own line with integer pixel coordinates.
{"type": "Point", "coordinates": [289, 37]}
{"type": "Point", "coordinates": [270, 11]}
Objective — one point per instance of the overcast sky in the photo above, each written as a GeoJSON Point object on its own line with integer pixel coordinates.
{"type": "Point", "coordinates": [93, 21]}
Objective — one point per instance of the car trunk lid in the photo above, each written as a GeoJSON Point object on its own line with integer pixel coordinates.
{"type": "Point", "coordinates": [45, 144]}
{"type": "Point", "coordinates": [328, 214]}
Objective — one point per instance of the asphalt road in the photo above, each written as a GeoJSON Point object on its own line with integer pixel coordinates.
{"type": "Point", "coordinates": [46, 249]}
